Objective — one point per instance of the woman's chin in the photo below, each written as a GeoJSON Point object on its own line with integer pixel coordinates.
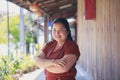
{"type": "Point", "coordinates": [57, 39]}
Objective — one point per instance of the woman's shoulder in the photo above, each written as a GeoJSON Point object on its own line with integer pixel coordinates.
{"type": "Point", "coordinates": [70, 43]}
{"type": "Point", "coordinates": [49, 45]}
{"type": "Point", "coordinates": [71, 47]}
{"type": "Point", "coordinates": [51, 42]}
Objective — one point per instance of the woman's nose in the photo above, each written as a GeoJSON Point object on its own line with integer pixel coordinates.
{"type": "Point", "coordinates": [57, 32]}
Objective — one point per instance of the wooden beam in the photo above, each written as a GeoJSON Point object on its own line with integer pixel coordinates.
{"type": "Point", "coordinates": [66, 14]}
{"type": "Point", "coordinates": [56, 10]}
{"type": "Point", "coordinates": [46, 19]}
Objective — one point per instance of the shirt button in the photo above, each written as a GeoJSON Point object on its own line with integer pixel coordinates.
{"type": "Point", "coordinates": [58, 78]}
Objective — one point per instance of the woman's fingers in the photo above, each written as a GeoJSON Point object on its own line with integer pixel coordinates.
{"type": "Point", "coordinates": [61, 62]}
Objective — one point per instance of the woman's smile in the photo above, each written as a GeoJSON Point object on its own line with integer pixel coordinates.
{"type": "Point", "coordinates": [59, 33]}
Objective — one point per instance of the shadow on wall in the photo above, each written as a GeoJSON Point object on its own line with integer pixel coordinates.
{"type": "Point", "coordinates": [81, 75]}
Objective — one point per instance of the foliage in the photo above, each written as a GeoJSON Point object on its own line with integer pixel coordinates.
{"type": "Point", "coordinates": [4, 68]}
{"type": "Point", "coordinates": [30, 36]}
{"type": "Point", "coordinates": [28, 21]}
{"type": "Point", "coordinates": [13, 29]}
{"type": "Point", "coordinates": [3, 28]}
{"type": "Point", "coordinates": [27, 63]}
{"type": "Point", "coordinates": [10, 65]}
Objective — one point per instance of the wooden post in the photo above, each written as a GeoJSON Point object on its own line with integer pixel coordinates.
{"type": "Point", "coordinates": [46, 19]}
{"type": "Point", "coordinates": [22, 40]}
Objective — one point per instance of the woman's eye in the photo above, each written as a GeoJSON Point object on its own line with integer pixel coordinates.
{"type": "Point", "coordinates": [53, 30]}
{"type": "Point", "coordinates": [60, 30]}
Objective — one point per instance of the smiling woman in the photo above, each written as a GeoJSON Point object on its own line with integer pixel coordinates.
{"type": "Point", "coordinates": [60, 55]}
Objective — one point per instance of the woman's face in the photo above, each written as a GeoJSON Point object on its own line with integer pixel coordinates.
{"type": "Point", "coordinates": [59, 32]}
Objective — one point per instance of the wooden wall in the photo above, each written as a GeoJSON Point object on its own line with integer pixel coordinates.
{"type": "Point", "coordinates": [99, 40]}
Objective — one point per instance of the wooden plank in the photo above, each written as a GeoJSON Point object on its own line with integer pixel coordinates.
{"type": "Point", "coordinates": [102, 58]}
{"type": "Point", "coordinates": [113, 40]}
{"type": "Point", "coordinates": [118, 37]}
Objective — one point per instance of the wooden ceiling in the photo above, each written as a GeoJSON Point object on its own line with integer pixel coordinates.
{"type": "Point", "coordinates": [54, 8]}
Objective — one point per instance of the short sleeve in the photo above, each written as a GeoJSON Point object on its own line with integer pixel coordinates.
{"type": "Point", "coordinates": [48, 46]}
{"type": "Point", "coordinates": [45, 48]}
{"type": "Point", "coordinates": [72, 48]}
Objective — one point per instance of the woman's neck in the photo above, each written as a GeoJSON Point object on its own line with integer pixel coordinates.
{"type": "Point", "coordinates": [60, 43]}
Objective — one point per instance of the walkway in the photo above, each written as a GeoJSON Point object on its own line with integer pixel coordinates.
{"type": "Point", "coordinates": [33, 75]}
{"type": "Point", "coordinates": [39, 75]}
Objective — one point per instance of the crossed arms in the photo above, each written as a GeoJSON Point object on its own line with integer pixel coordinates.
{"type": "Point", "coordinates": [56, 65]}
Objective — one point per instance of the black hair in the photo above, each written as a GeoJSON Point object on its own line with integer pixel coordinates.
{"type": "Point", "coordinates": [66, 25]}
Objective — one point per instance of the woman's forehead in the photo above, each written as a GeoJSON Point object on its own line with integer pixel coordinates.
{"type": "Point", "coordinates": [58, 25]}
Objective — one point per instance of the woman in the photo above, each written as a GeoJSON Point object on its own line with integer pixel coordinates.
{"type": "Point", "coordinates": [59, 56]}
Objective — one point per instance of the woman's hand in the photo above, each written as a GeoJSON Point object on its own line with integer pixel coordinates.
{"type": "Point", "coordinates": [42, 62]}
{"type": "Point", "coordinates": [62, 65]}
{"type": "Point", "coordinates": [60, 62]}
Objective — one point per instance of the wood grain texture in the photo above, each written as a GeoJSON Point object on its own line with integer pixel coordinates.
{"type": "Point", "coordinates": [98, 40]}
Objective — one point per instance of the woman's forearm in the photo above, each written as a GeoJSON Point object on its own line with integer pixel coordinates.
{"type": "Point", "coordinates": [49, 64]}
{"type": "Point", "coordinates": [57, 65]}
{"type": "Point", "coordinates": [43, 63]}
{"type": "Point", "coordinates": [62, 65]}
{"type": "Point", "coordinates": [54, 69]}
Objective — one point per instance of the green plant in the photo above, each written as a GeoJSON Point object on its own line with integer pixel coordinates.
{"type": "Point", "coordinates": [27, 63]}
{"type": "Point", "coordinates": [10, 65]}
{"type": "Point", "coordinates": [30, 36]}
{"type": "Point", "coordinates": [4, 69]}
